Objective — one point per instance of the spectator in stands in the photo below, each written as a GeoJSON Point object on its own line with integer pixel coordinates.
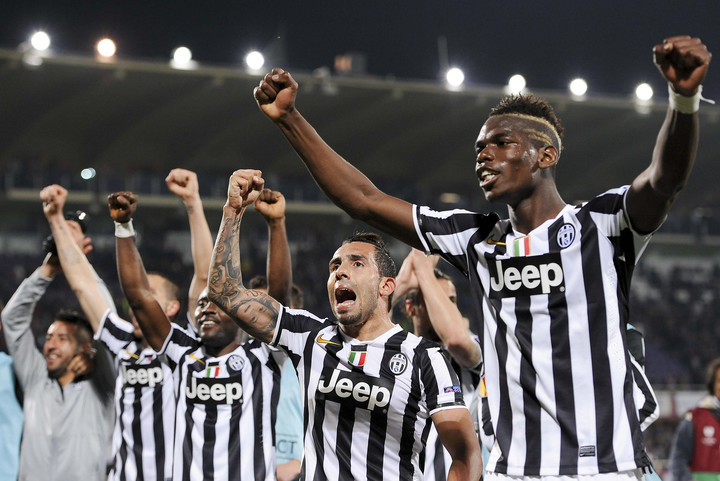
{"type": "Point", "coordinates": [68, 412]}
{"type": "Point", "coordinates": [695, 451]}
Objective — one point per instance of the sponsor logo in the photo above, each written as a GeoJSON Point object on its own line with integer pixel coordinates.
{"type": "Point", "coordinates": [708, 431]}
{"type": "Point", "coordinates": [526, 276]}
{"type": "Point", "coordinates": [398, 363]}
{"type": "Point", "coordinates": [565, 235]}
{"type": "Point", "coordinates": [492, 241]}
{"type": "Point", "coordinates": [320, 340]}
{"type": "Point", "coordinates": [213, 391]}
{"type": "Point", "coordinates": [452, 389]}
{"type": "Point", "coordinates": [235, 363]}
{"type": "Point", "coordinates": [354, 389]}
{"type": "Point", "coordinates": [586, 451]}
{"type": "Point", "coordinates": [149, 375]}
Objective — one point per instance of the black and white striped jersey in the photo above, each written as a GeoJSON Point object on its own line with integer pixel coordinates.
{"type": "Point", "coordinates": [225, 412]}
{"type": "Point", "coordinates": [435, 458]}
{"type": "Point", "coordinates": [554, 307]}
{"type": "Point", "coordinates": [366, 403]}
{"type": "Point", "coordinates": [144, 406]}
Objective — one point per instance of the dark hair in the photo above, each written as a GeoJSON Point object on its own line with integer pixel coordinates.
{"type": "Point", "coordinates": [412, 294]}
{"type": "Point", "coordinates": [171, 289]}
{"type": "Point", "coordinates": [84, 329]}
{"type": "Point", "coordinates": [258, 282]}
{"type": "Point", "coordinates": [383, 259]}
{"type": "Point", "coordinates": [712, 370]}
{"type": "Point", "coordinates": [528, 105]}
{"type": "Point", "coordinates": [297, 299]}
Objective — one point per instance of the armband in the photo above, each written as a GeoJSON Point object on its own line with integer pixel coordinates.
{"type": "Point", "coordinates": [124, 229]}
{"type": "Point", "coordinates": [686, 105]}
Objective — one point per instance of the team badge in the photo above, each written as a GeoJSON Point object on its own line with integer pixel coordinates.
{"type": "Point", "coordinates": [566, 235]}
{"type": "Point", "coordinates": [708, 431]}
{"type": "Point", "coordinates": [398, 363]}
{"type": "Point", "coordinates": [213, 369]}
{"type": "Point", "coordinates": [357, 356]}
{"type": "Point", "coordinates": [235, 363]}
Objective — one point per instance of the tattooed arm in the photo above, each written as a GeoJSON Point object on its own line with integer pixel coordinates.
{"type": "Point", "coordinates": [254, 311]}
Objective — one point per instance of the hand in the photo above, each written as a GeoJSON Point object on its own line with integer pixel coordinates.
{"type": "Point", "coordinates": [243, 188]}
{"type": "Point", "coordinates": [683, 61]}
{"type": "Point", "coordinates": [421, 262]}
{"type": "Point", "coordinates": [53, 198]}
{"type": "Point", "coordinates": [406, 279]}
{"type": "Point", "coordinates": [122, 206]}
{"type": "Point", "coordinates": [276, 94]}
{"type": "Point", "coordinates": [83, 363]}
{"type": "Point", "coordinates": [271, 204]}
{"type": "Point", "coordinates": [183, 183]}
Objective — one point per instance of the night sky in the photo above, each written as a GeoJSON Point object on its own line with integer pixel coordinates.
{"type": "Point", "coordinates": [550, 42]}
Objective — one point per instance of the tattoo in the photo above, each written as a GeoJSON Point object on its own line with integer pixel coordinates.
{"type": "Point", "coordinates": [254, 311]}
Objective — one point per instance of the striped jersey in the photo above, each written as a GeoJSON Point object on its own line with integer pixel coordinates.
{"type": "Point", "coordinates": [144, 406]}
{"type": "Point", "coordinates": [366, 403]}
{"type": "Point", "coordinates": [225, 410]}
{"type": "Point", "coordinates": [435, 458]}
{"type": "Point", "coordinates": [554, 307]}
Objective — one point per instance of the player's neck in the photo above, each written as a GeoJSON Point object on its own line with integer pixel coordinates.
{"type": "Point", "coordinates": [217, 351]}
{"type": "Point", "coordinates": [370, 329]}
{"type": "Point", "coordinates": [533, 211]}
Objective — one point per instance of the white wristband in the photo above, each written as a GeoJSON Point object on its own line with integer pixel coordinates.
{"type": "Point", "coordinates": [124, 229]}
{"type": "Point", "coordinates": [683, 104]}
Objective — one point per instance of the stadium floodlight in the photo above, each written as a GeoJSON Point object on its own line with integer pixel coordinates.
{"type": "Point", "coordinates": [182, 59]}
{"type": "Point", "coordinates": [87, 173]}
{"type": "Point", "coordinates": [254, 60]}
{"type": "Point", "coordinates": [40, 41]}
{"type": "Point", "coordinates": [516, 84]}
{"type": "Point", "coordinates": [454, 77]}
{"type": "Point", "coordinates": [643, 92]}
{"type": "Point", "coordinates": [106, 48]}
{"type": "Point", "coordinates": [578, 87]}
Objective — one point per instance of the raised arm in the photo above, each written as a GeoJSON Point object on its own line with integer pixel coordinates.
{"type": "Point", "coordinates": [683, 61]}
{"type": "Point", "coordinates": [72, 246]}
{"type": "Point", "coordinates": [271, 204]}
{"type": "Point", "coordinates": [445, 317]}
{"type": "Point", "coordinates": [184, 184]}
{"type": "Point", "coordinates": [149, 313]}
{"type": "Point", "coordinates": [254, 311]}
{"type": "Point", "coordinates": [455, 430]}
{"type": "Point", "coordinates": [345, 185]}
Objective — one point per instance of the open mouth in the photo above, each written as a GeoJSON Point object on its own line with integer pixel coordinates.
{"type": "Point", "coordinates": [486, 176]}
{"type": "Point", "coordinates": [207, 321]}
{"type": "Point", "coordinates": [344, 296]}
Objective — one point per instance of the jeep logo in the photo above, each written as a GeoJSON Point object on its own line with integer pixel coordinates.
{"type": "Point", "coordinates": [360, 393]}
{"type": "Point", "coordinates": [526, 276]}
{"type": "Point", "coordinates": [145, 376]}
{"type": "Point", "coordinates": [213, 391]}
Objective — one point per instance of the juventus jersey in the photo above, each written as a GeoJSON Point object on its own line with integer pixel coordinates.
{"type": "Point", "coordinates": [554, 308]}
{"type": "Point", "coordinates": [225, 412]}
{"type": "Point", "coordinates": [435, 458]}
{"type": "Point", "coordinates": [144, 406]}
{"type": "Point", "coordinates": [366, 403]}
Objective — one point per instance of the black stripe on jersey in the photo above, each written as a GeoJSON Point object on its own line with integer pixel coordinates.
{"type": "Point", "coordinates": [209, 438]}
{"type": "Point", "coordinates": [329, 363]}
{"type": "Point", "coordinates": [596, 312]}
{"type": "Point", "coordinates": [137, 431]}
{"type": "Point", "coordinates": [407, 439]}
{"type": "Point", "coordinates": [257, 401]}
{"type": "Point", "coordinates": [123, 453]}
{"type": "Point", "coordinates": [235, 443]}
{"type": "Point", "coordinates": [159, 432]}
{"type": "Point", "coordinates": [189, 422]}
{"type": "Point", "coordinates": [562, 374]}
{"type": "Point", "coordinates": [346, 421]}
{"type": "Point", "coordinates": [117, 333]}
{"type": "Point", "coordinates": [181, 338]}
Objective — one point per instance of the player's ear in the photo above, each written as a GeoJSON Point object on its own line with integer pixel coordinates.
{"type": "Point", "coordinates": [387, 286]}
{"type": "Point", "coordinates": [549, 156]}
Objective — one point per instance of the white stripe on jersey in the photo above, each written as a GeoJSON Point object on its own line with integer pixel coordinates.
{"type": "Point", "coordinates": [144, 427]}
{"type": "Point", "coordinates": [365, 418]}
{"type": "Point", "coordinates": [224, 422]}
{"type": "Point", "coordinates": [559, 378]}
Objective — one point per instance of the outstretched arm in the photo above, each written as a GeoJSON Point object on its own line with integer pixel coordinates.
{"type": "Point", "coordinates": [345, 185]}
{"type": "Point", "coordinates": [271, 204]}
{"type": "Point", "coordinates": [683, 61]}
{"type": "Point", "coordinates": [455, 430]}
{"type": "Point", "coordinates": [72, 246]}
{"type": "Point", "coordinates": [254, 311]}
{"type": "Point", "coordinates": [445, 317]}
{"type": "Point", "coordinates": [150, 315]}
{"type": "Point", "coordinates": [184, 184]}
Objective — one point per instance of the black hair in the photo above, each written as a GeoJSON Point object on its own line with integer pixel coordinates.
{"type": "Point", "coordinates": [171, 289]}
{"type": "Point", "coordinates": [383, 259]}
{"type": "Point", "coordinates": [84, 329]}
{"type": "Point", "coordinates": [258, 282]}
{"type": "Point", "coordinates": [712, 370]}
{"type": "Point", "coordinates": [529, 105]}
{"type": "Point", "coordinates": [297, 299]}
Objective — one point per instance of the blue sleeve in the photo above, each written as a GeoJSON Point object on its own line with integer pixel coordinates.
{"type": "Point", "coordinates": [289, 422]}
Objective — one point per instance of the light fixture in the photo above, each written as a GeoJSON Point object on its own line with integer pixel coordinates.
{"type": "Point", "coordinates": [182, 59]}
{"type": "Point", "coordinates": [106, 48]}
{"type": "Point", "coordinates": [516, 84]}
{"type": "Point", "coordinates": [578, 87]}
{"type": "Point", "coordinates": [40, 41]}
{"type": "Point", "coordinates": [254, 60]}
{"type": "Point", "coordinates": [454, 77]}
{"type": "Point", "coordinates": [643, 92]}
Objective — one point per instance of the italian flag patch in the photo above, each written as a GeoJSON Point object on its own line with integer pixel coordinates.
{"type": "Point", "coordinates": [357, 356]}
{"type": "Point", "coordinates": [213, 369]}
{"type": "Point", "coordinates": [521, 246]}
